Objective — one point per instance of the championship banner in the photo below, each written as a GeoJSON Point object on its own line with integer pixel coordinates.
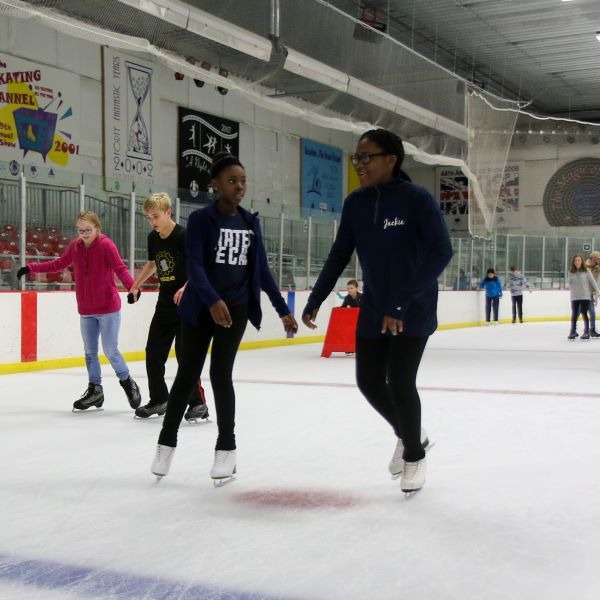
{"type": "Point", "coordinates": [130, 106]}
{"type": "Point", "coordinates": [39, 119]}
{"type": "Point", "coordinates": [321, 177]}
{"type": "Point", "coordinates": [200, 137]}
{"type": "Point", "coordinates": [453, 189]}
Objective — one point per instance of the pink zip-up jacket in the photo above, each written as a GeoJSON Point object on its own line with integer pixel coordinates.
{"type": "Point", "coordinates": [94, 271]}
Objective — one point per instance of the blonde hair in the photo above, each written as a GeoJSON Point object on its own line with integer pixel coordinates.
{"type": "Point", "coordinates": [160, 201]}
{"type": "Point", "coordinates": [90, 217]}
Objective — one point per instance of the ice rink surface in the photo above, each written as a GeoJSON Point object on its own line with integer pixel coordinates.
{"type": "Point", "coordinates": [510, 509]}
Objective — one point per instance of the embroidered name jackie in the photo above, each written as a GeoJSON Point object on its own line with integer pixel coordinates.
{"type": "Point", "coordinates": [387, 223]}
{"type": "Point", "coordinates": [232, 248]}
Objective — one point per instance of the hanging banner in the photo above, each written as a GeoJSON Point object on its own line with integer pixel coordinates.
{"type": "Point", "coordinates": [200, 137]}
{"type": "Point", "coordinates": [321, 178]}
{"type": "Point", "coordinates": [130, 107]}
{"type": "Point", "coordinates": [39, 118]}
{"type": "Point", "coordinates": [453, 189]}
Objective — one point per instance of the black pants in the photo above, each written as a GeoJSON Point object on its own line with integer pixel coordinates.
{"type": "Point", "coordinates": [195, 341]}
{"type": "Point", "coordinates": [580, 307]}
{"type": "Point", "coordinates": [164, 328]}
{"type": "Point", "coordinates": [491, 303]}
{"type": "Point", "coordinates": [517, 307]}
{"type": "Point", "coordinates": [386, 374]}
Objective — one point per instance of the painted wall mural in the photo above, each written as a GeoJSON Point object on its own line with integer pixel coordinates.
{"type": "Point", "coordinates": [572, 196]}
{"type": "Point", "coordinates": [39, 118]}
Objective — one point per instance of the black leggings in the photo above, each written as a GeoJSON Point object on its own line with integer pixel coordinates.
{"type": "Point", "coordinates": [164, 328]}
{"type": "Point", "coordinates": [386, 374]}
{"type": "Point", "coordinates": [491, 304]}
{"type": "Point", "coordinates": [195, 341]}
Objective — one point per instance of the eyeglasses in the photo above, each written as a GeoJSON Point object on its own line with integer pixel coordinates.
{"type": "Point", "coordinates": [84, 231]}
{"type": "Point", "coordinates": [365, 158]}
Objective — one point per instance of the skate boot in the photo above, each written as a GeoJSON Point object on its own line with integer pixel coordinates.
{"type": "Point", "coordinates": [585, 335]}
{"type": "Point", "coordinates": [413, 476]}
{"type": "Point", "coordinates": [162, 460]}
{"type": "Point", "coordinates": [396, 465]}
{"type": "Point", "coordinates": [594, 334]}
{"type": "Point", "coordinates": [132, 390]}
{"type": "Point", "coordinates": [224, 466]}
{"type": "Point", "coordinates": [194, 413]}
{"type": "Point", "coordinates": [143, 412]}
{"type": "Point", "coordinates": [572, 335]}
{"type": "Point", "coordinates": [93, 396]}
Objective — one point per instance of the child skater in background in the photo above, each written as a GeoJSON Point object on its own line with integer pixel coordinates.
{"type": "Point", "coordinates": [403, 246]}
{"type": "Point", "coordinates": [517, 284]}
{"type": "Point", "coordinates": [166, 257]}
{"type": "Point", "coordinates": [353, 297]}
{"type": "Point", "coordinates": [493, 292]}
{"type": "Point", "coordinates": [580, 283]}
{"type": "Point", "coordinates": [95, 260]}
{"type": "Point", "coordinates": [227, 268]}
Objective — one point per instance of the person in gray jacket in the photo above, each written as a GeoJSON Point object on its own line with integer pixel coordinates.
{"type": "Point", "coordinates": [593, 264]}
{"type": "Point", "coordinates": [517, 284]}
{"type": "Point", "coordinates": [580, 282]}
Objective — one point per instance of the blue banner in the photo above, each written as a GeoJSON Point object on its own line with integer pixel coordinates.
{"type": "Point", "coordinates": [322, 170]}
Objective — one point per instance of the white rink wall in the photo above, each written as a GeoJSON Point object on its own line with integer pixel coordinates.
{"type": "Point", "coordinates": [58, 334]}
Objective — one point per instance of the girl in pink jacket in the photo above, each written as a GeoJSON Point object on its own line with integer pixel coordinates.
{"type": "Point", "coordinates": [95, 261]}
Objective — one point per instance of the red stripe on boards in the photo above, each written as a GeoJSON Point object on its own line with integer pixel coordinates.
{"type": "Point", "coordinates": [28, 326]}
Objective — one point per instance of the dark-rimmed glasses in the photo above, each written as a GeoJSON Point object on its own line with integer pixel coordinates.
{"type": "Point", "coordinates": [365, 157]}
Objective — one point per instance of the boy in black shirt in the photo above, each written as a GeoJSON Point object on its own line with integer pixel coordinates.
{"type": "Point", "coordinates": [166, 257]}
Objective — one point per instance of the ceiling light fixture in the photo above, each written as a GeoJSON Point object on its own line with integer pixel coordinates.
{"type": "Point", "coordinates": [312, 69]}
{"type": "Point", "coordinates": [598, 35]}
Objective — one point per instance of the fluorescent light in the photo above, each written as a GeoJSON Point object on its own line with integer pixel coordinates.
{"type": "Point", "coordinates": [228, 34]}
{"type": "Point", "coordinates": [369, 93]}
{"type": "Point", "coordinates": [168, 11]}
{"type": "Point", "coordinates": [598, 35]}
{"type": "Point", "coordinates": [312, 69]}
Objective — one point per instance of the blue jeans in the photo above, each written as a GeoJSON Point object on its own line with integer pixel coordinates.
{"type": "Point", "coordinates": [107, 326]}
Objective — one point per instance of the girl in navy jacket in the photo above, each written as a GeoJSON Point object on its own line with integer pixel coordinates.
{"type": "Point", "coordinates": [403, 246]}
{"type": "Point", "coordinates": [227, 269]}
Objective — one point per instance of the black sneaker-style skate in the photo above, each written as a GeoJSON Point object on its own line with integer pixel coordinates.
{"type": "Point", "coordinates": [132, 390]}
{"type": "Point", "coordinates": [93, 396]}
{"type": "Point", "coordinates": [572, 335]}
{"type": "Point", "coordinates": [585, 335]}
{"type": "Point", "coordinates": [143, 412]}
{"type": "Point", "coordinates": [194, 413]}
{"type": "Point", "coordinates": [594, 334]}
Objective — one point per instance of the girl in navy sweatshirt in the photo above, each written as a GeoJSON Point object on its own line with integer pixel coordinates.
{"type": "Point", "coordinates": [227, 269]}
{"type": "Point", "coordinates": [403, 246]}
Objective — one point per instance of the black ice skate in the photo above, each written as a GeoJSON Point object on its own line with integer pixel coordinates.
{"type": "Point", "coordinates": [93, 396]}
{"type": "Point", "coordinates": [572, 335]}
{"type": "Point", "coordinates": [143, 412]}
{"type": "Point", "coordinates": [594, 334]}
{"type": "Point", "coordinates": [585, 335]}
{"type": "Point", "coordinates": [133, 392]}
{"type": "Point", "coordinates": [194, 413]}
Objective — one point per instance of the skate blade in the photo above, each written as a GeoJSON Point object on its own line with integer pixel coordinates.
{"type": "Point", "coordinates": [222, 481]}
{"type": "Point", "coordinates": [198, 421]}
{"type": "Point", "coordinates": [155, 415]}
{"type": "Point", "coordinates": [87, 410]}
{"type": "Point", "coordinates": [408, 494]}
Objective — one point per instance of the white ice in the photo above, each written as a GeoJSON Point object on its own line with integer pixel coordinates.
{"type": "Point", "coordinates": [510, 509]}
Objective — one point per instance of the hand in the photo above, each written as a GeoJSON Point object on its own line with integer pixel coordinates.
{"type": "Point", "coordinates": [220, 314]}
{"type": "Point", "coordinates": [289, 323]}
{"type": "Point", "coordinates": [134, 295]}
{"type": "Point", "coordinates": [309, 318]}
{"type": "Point", "coordinates": [23, 271]}
{"type": "Point", "coordinates": [394, 326]}
{"type": "Point", "coordinates": [179, 293]}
